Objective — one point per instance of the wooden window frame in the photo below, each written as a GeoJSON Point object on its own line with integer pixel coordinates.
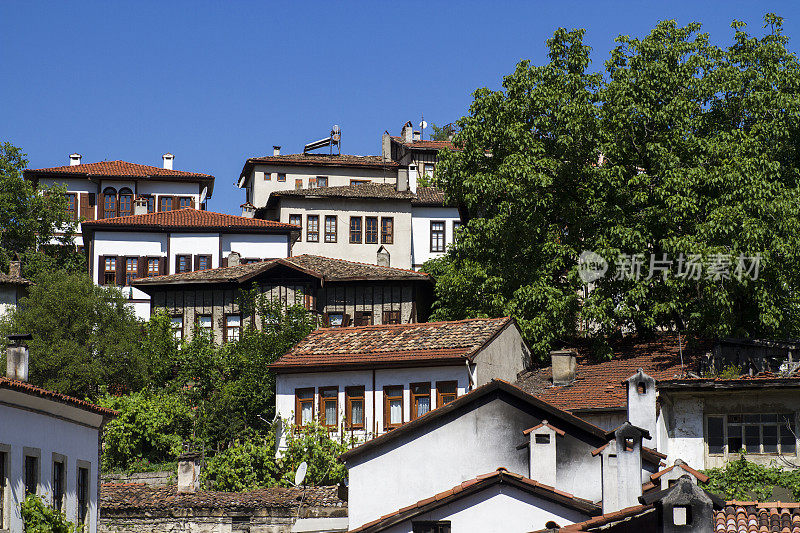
{"type": "Point", "coordinates": [211, 320]}
{"type": "Point", "coordinates": [387, 398]}
{"type": "Point", "coordinates": [185, 199]}
{"type": "Point", "coordinates": [281, 176]}
{"type": "Point", "coordinates": [356, 233]}
{"type": "Point", "coordinates": [440, 396]}
{"type": "Point", "coordinates": [58, 484]}
{"type": "Point", "coordinates": [73, 205]}
{"type": "Point", "coordinates": [428, 169]}
{"type": "Point", "coordinates": [443, 233]}
{"type": "Point", "coordinates": [334, 234]}
{"type": "Point", "coordinates": [267, 176]}
{"type": "Point", "coordinates": [239, 334]}
{"type": "Point", "coordinates": [163, 199]}
{"type": "Point", "coordinates": [350, 394]}
{"type": "Point", "coordinates": [82, 493]}
{"type": "Point", "coordinates": [312, 235]}
{"type": "Point", "coordinates": [130, 275]}
{"type": "Point", "coordinates": [174, 329]}
{"type": "Point", "coordinates": [367, 233]}
{"type": "Point", "coordinates": [128, 194]}
{"type": "Point", "coordinates": [431, 526]}
{"type": "Point", "coordinates": [293, 219]}
{"type": "Point", "coordinates": [324, 180]}
{"type": "Point", "coordinates": [200, 257]}
{"type": "Point", "coordinates": [35, 460]}
{"type": "Point", "coordinates": [387, 237]}
{"type": "Point", "coordinates": [742, 423]}
{"type": "Point", "coordinates": [324, 396]}
{"type": "Point", "coordinates": [157, 272]}
{"type": "Point", "coordinates": [298, 405]}
{"type": "Point", "coordinates": [358, 318]}
{"type": "Point", "coordinates": [414, 397]}
{"type": "Point", "coordinates": [387, 317]}
{"type": "Point", "coordinates": [107, 272]}
{"type": "Point", "coordinates": [109, 213]}
{"type": "Point", "coordinates": [298, 183]}
{"type": "Point", "coordinates": [178, 258]}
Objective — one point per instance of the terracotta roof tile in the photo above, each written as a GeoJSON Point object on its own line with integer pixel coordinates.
{"type": "Point", "coordinates": [27, 388]}
{"type": "Point", "coordinates": [116, 498]}
{"type": "Point", "coordinates": [119, 168]}
{"type": "Point", "coordinates": [326, 268]}
{"type": "Point", "coordinates": [428, 197]}
{"type": "Point", "coordinates": [425, 144]}
{"type": "Point", "coordinates": [598, 384]}
{"type": "Point", "coordinates": [392, 343]}
{"type": "Point", "coordinates": [13, 280]}
{"type": "Point", "coordinates": [325, 160]}
{"type": "Point", "coordinates": [187, 218]}
{"type": "Point", "coordinates": [425, 196]}
{"type": "Point", "coordinates": [752, 517]}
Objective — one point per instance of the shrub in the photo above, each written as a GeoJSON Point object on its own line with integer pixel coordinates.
{"type": "Point", "coordinates": [41, 518]}
{"type": "Point", "coordinates": [743, 480]}
{"type": "Point", "coordinates": [248, 464]}
{"type": "Point", "coordinates": [312, 443]}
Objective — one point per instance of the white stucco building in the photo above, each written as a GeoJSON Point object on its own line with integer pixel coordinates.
{"type": "Point", "coordinates": [49, 446]}
{"type": "Point", "coordinates": [368, 380]}
{"type": "Point", "coordinates": [122, 249]}
{"type": "Point", "coordinates": [12, 287]}
{"type": "Point", "coordinates": [109, 189]}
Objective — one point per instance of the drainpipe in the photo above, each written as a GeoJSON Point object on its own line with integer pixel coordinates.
{"type": "Point", "coordinates": [374, 416]}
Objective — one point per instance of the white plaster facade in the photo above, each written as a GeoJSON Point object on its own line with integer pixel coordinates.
{"type": "Point", "coordinates": [422, 230]}
{"type": "Point", "coordinates": [49, 431]}
{"type": "Point", "coordinates": [10, 294]}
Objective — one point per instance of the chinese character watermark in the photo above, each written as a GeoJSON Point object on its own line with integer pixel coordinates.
{"type": "Point", "coordinates": [715, 267]}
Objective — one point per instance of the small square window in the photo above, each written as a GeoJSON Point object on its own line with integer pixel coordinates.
{"type": "Point", "coordinates": [281, 176]}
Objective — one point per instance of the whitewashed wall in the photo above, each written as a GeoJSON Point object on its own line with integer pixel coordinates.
{"type": "Point", "coordinates": [8, 298]}
{"type": "Point", "coordinates": [32, 427]}
{"type": "Point", "coordinates": [261, 245]}
{"type": "Point", "coordinates": [421, 231]}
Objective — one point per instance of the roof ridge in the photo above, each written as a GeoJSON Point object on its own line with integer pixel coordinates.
{"type": "Point", "coordinates": [411, 324]}
{"type": "Point", "coordinates": [360, 263]}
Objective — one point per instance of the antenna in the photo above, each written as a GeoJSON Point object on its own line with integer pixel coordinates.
{"type": "Point", "coordinates": [422, 126]}
{"type": "Point", "coordinates": [335, 139]}
{"type": "Point", "coordinates": [300, 475]}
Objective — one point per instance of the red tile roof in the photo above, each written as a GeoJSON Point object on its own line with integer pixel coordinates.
{"type": "Point", "coordinates": [426, 144]}
{"type": "Point", "coordinates": [701, 477]}
{"type": "Point", "coordinates": [598, 384]}
{"type": "Point", "coordinates": [117, 498]}
{"type": "Point", "coordinates": [500, 476]}
{"type": "Point", "coordinates": [322, 160]}
{"type": "Point", "coordinates": [609, 518]}
{"type": "Point", "coordinates": [27, 388]}
{"type": "Point", "coordinates": [754, 517]}
{"type": "Point", "coordinates": [13, 280]}
{"type": "Point", "coordinates": [424, 197]}
{"type": "Point", "coordinates": [187, 218]}
{"type": "Point", "coordinates": [118, 168]}
{"type": "Point", "coordinates": [404, 344]}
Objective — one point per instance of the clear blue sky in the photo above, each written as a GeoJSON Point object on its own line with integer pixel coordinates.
{"type": "Point", "coordinates": [217, 82]}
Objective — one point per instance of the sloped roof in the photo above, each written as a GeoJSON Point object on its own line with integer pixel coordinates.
{"type": "Point", "coordinates": [27, 388]}
{"type": "Point", "coordinates": [325, 268]}
{"type": "Point", "coordinates": [424, 197]}
{"type": "Point", "coordinates": [13, 280]}
{"type": "Point", "coordinates": [122, 497]}
{"type": "Point", "coordinates": [428, 197]}
{"type": "Point", "coordinates": [425, 144]}
{"type": "Point", "coordinates": [598, 384]}
{"type": "Point", "coordinates": [187, 218]}
{"type": "Point", "coordinates": [324, 160]}
{"type": "Point", "coordinates": [392, 344]}
{"type": "Point", "coordinates": [499, 477]}
{"type": "Point", "coordinates": [118, 169]}
{"type": "Point", "coordinates": [758, 517]}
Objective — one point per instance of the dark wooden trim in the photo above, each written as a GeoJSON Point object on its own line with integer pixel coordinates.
{"type": "Point", "coordinates": [390, 234]}
{"type": "Point", "coordinates": [444, 236]}
{"type": "Point", "coordinates": [351, 393]}
{"type": "Point", "coordinates": [440, 396]}
{"type": "Point", "coordinates": [387, 425]}
{"type": "Point", "coordinates": [413, 397]}
{"type": "Point", "coordinates": [323, 395]}
{"type": "Point", "coordinates": [298, 403]}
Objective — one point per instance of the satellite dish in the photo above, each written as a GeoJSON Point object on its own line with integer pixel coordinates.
{"type": "Point", "coordinates": [300, 475]}
{"type": "Point", "coordinates": [423, 124]}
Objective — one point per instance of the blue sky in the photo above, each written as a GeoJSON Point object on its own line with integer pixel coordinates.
{"type": "Point", "coordinates": [217, 82]}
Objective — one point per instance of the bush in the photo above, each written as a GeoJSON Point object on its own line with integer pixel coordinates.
{"type": "Point", "coordinates": [743, 480]}
{"type": "Point", "coordinates": [41, 518]}
{"type": "Point", "coordinates": [248, 464]}
{"type": "Point", "coordinates": [312, 443]}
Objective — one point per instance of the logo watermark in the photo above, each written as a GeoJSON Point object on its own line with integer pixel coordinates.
{"type": "Point", "coordinates": [592, 266]}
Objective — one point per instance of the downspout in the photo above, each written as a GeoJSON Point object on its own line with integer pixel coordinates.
{"type": "Point", "coordinates": [374, 416]}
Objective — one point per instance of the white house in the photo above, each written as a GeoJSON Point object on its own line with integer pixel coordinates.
{"type": "Point", "coordinates": [368, 380]}
{"type": "Point", "coordinates": [109, 189]}
{"type": "Point", "coordinates": [49, 446]}
{"type": "Point", "coordinates": [12, 288]}
{"type": "Point", "coordinates": [496, 459]}
{"type": "Point", "coordinates": [122, 249]}
{"type": "Point", "coordinates": [704, 421]}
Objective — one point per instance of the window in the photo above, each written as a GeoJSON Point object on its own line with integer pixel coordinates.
{"type": "Point", "coordinates": [83, 495]}
{"type": "Point", "coordinates": [233, 327]}
{"type": "Point", "coordinates": [330, 228]}
{"type": "Point", "coordinates": [362, 318]}
{"type": "Point", "coordinates": [354, 407]}
{"type": "Point", "coordinates": [304, 406]}
{"type": "Point", "coordinates": [183, 263]}
{"type": "Point", "coordinates": [355, 230]}
{"type": "Point", "coordinates": [297, 220]}
{"type": "Point", "coordinates": [298, 183]}
{"type": "Point", "coordinates": [72, 205]}
{"type": "Point", "coordinates": [329, 406]}
{"type": "Point", "coordinates": [428, 170]}
{"type": "Point", "coordinates": [391, 317]}
{"type": "Point", "coordinates": [177, 326]}
{"type": "Point", "coordinates": [125, 202]}
{"type": "Point", "coordinates": [31, 474]}
{"type": "Point", "coordinates": [110, 271]}
{"type": "Point", "coordinates": [312, 228]}
{"type": "Point", "coordinates": [371, 230]}
{"type": "Point", "coordinates": [335, 320]}
{"type": "Point", "coordinates": [446, 392]}
{"type": "Point", "coordinates": [754, 433]}
{"type": "Point", "coordinates": [267, 176]}
{"type": "Point", "coordinates": [392, 406]}
{"type": "Point", "coordinates": [387, 230]}
{"type": "Point", "coordinates": [359, 182]}
{"type": "Point", "coordinates": [185, 202]}
{"type": "Point", "coordinates": [165, 203]}
{"type": "Point", "coordinates": [281, 176]}
{"type": "Point", "coordinates": [420, 399]}
{"type": "Point", "coordinates": [443, 526]}
{"type": "Point", "coordinates": [437, 236]}
{"type": "Point", "coordinates": [109, 202]}
{"type": "Point", "coordinates": [3, 483]}
{"type": "Point", "coordinates": [151, 203]}
{"type": "Point", "coordinates": [205, 324]}
{"type": "Point", "coordinates": [58, 485]}
{"type": "Point", "coordinates": [322, 181]}
{"type": "Point", "coordinates": [131, 270]}
{"type": "Point", "coordinates": [203, 262]}
{"type": "Point", "coordinates": [153, 267]}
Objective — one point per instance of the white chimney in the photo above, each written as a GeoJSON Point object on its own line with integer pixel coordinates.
{"type": "Point", "coordinates": [276, 150]}
{"type": "Point", "coordinates": [542, 448]}
{"type": "Point", "coordinates": [140, 206]}
{"type": "Point", "coordinates": [412, 178]}
{"type": "Point", "coordinates": [642, 403]}
{"type": "Point", "coordinates": [74, 159]}
{"type": "Point", "coordinates": [17, 357]}
{"type": "Point", "coordinates": [407, 132]}
{"type": "Point", "coordinates": [248, 210]}
{"type": "Point", "coordinates": [188, 472]}
{"type": "Point", "coordinates": [383, 258]}
{"type": "Point", "coordinates": [564, 366]}
{"type": "Point", "coordinates": [15, 269]}
{"type": "Point", "coordinates": [168, 160]}
{"type": "Point", "coordinates": [416, 136]}
{"type": "Point", "coordinates": [629, 465]}
{"type": "Point", "coordinates": [234, 259]}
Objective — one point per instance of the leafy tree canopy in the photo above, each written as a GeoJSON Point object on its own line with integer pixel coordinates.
{"type": "Point", "coordinates": [678, 147]}
{"type": "Point", "coordinates": [743, 480]}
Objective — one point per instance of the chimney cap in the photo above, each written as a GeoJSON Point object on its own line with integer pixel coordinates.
{"type": "Point", "coordinates": [168, 155]}
{"type": "Point", "coordinates": [17, 337]}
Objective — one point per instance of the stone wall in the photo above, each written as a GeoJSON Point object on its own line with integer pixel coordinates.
{"type": "Point", "coordinates": [152, 479]}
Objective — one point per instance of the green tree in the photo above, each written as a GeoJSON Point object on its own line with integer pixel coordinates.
{"type": "Point", "coordinates": [34, 225]}
{"type": "Point", "coordinates": [85, 337]}
{"type": "Point", "coordinates": [313, 445]}
{"type": "Point", "coordinates": [442, 133]}
{"type": "Point", "coordinates": [38, 517]}
{"type": "Point", "coordinates": [681, 147]}
{"type": "Point", "coordinates": [247, 465]}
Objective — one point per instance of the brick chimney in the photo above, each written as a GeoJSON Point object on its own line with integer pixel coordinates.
{"type": "Point", "coordinates": [17, 357]}
{"type": "Point", "coordinates": [188, 472]}
{"type": "Point", "coordinates": [564, 364]}
{"type": "Point", "coordinates": [74, 159]}
{"type": "Point", "coordinates": [168, 158]}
